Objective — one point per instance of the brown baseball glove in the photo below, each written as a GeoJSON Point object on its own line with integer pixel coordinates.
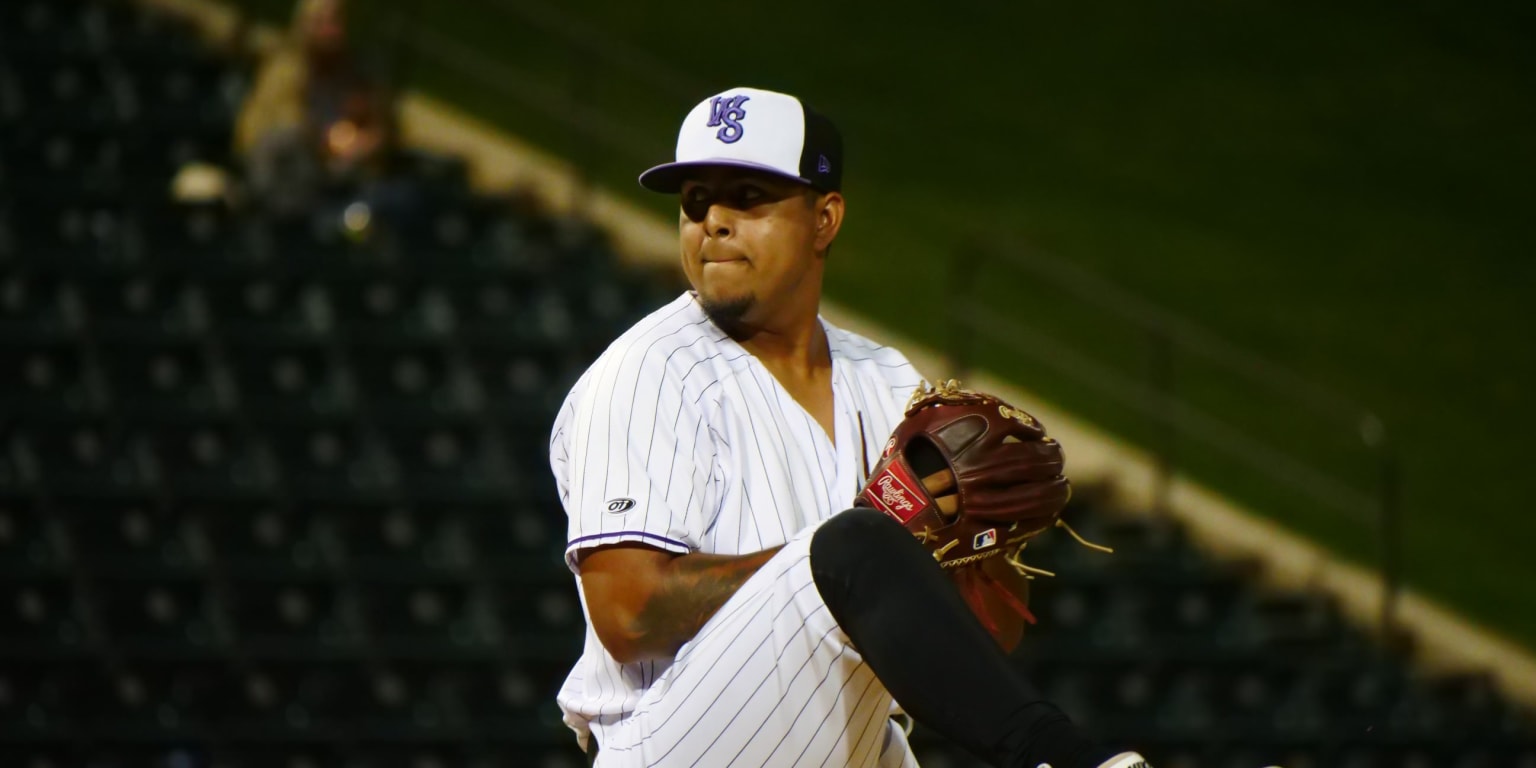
{"type": "Point", "coordinates": [974, 479]}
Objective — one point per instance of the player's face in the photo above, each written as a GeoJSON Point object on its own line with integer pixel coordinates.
{"type": "Point", "coordinates": [750, 243]}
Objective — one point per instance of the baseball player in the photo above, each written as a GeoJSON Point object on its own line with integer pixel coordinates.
{"type": "Point", "coordinates": [738, 614]}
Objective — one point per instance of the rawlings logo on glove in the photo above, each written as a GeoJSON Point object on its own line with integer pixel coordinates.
{"type": "Point", "coordinates": [896, 493]}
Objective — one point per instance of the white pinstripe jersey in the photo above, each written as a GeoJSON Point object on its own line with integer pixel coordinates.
{"type": "Point", "coordinates": [679, 438]}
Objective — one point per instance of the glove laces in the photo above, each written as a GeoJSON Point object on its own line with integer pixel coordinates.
{"type": "Point", "coordinates": [1030, 571]}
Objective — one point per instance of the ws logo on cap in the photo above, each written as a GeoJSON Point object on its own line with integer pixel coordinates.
{"type": "Point", "coordinates": [727, 111]}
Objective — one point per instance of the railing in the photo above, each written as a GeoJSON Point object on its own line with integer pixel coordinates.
{"type": "Point", "coordinates": [1156, 396]}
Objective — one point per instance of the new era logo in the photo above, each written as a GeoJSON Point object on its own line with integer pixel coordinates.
{"type": "Point", "coordinates": [823, 165]}
{"type": "Point", "coordinates": [727, 112]}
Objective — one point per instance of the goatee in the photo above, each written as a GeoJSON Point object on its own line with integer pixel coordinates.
{"type": "Point", "coordinates": [727, 313]}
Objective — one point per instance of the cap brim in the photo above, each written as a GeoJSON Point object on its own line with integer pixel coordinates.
{"type": "Point", "coordinates": [669, 177]}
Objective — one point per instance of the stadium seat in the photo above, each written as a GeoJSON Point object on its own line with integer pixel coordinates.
{"type": "Point", "coordinates": [258, 537]}
{"type": "Point", "coordinates": [180, 90]}
{"type": "Point", "coordinates": [422, 614]}
{"type": "Point", "coordinates": [259, 307]}
{"type": "Point", "coordinates": [308, 245]}
{"type": "Point", "coordinates": [1189, 708]}
{"type": "Point", "coordinates": [446, 461]}
{"type": "Point", "coordinates": [139, 306]}
{"type": "Point", "coordinates": [1297, 620]}
{"type": "Point", "coordinates": [1194, 611]}
{"type": "Point", "coordinates": [37, 701]}
{"type": "Point", "coordinates": [488, 693]}
{"type": "Point", "coordinates": [42, 28]}
{"type": "Point", "coordinates": [132, 33]}
{"type": "Point", "coordinates": [28, 539]}
{"type": "Point", "coordinates": [121, 698]}
{"type": "Point", "coordinates": [288, 614]}
{"type": "Point", "coordinates": [557, 752]}
{"type": "Point", "coordinates": [207, 458]}
{"type": "Point", "coordinates": [389, 309]}
{"type": "Point", "coordinates": [42, 612]}
{"type": "Point", "coordinates": [34, 306]}
{"type": "Point", "coordinates": [496, 311]}
{"type": "Point", "coordinates": [544, 607]}
{"type": "Point", "coordinates": [499, 528]}
{"type": "Point", "coordinates": [524, 385]}
{"type": "Point", "coordinates": [63, 87]}
{"type": "Point", "coordinates": [405, 697]}
{"type": "Point", "coordinates": [47, 379]}
{"type": "Point", "coordinates": [383, 539]}
{"type": "Point", "coordinates": [288, 380]}
{"type": "Point", "coordinates": [67, 157]}
{"type": "Point", "coordinates": [301, 751]}
{"type": "Point", "coordinates": [332, 459]}
{"type": "Point", "coordinates": [1473, 707]}
{"type": "Point", "coordinates": [84, 457]}
{"type": "Point", "coordinates": [164, 378]}
{"type": "Point", "coordinates": [154, 613]}
{"type": "Point", "coordinates": [16, 476]}
{"type": "Point", "coordinates": [1301, 709]}
{"type": "Point", "coordinates": [302, 699]}
{"type": "Point", "coordinates": [442, 237]}
{"type": "Point", "coordinates": [411, 382]}
{"type": "Point", "coordinates": [126, 532]}
{"type": "Point", "coordinates": [82, 234]}
{"type": "Point", "coordinates": [415, 753]}
{"type": "Point", "coordinates": [188, 235]}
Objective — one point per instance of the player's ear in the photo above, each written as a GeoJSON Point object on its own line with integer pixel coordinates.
{"type": "Point", "coordinates": [829, 219]}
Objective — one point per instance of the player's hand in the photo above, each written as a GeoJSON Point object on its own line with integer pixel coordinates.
{"type": "Point", "coordinates": [941, 485]}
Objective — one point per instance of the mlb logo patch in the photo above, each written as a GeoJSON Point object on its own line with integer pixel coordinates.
{"type": "Point", "coordinates": [987, 538]}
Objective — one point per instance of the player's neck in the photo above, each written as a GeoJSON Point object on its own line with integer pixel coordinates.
{"type": "Point", "coordinates": [797, 354]}
{"type": "Point", "coordinates": [798, 346]}
{"type": "Point", "coordinates": [801, 349]}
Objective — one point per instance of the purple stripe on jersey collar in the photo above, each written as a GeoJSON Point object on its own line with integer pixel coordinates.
{"type": "Point", "coordinates": [641, 534]}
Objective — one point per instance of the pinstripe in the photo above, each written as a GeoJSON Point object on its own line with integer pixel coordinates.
{"type": "Point", "coordinates": [869, 687]}
{"type": "Point", "coordinates": [768, 676]}
{"type": "Point", "coordinates": [822, 723]}
{"type": "Point", "coordinates": [734, 470]}
{"type": "Point", "coordinates": [721, 691]}
{"type": "Point", "coordinates": [782, 696]}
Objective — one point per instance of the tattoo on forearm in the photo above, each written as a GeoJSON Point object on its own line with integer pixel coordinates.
{"type": "Point", "coordinates": [696, 586]}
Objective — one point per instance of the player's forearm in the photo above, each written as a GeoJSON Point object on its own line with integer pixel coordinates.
{"type": "Point", "coordinates": [689, 591]}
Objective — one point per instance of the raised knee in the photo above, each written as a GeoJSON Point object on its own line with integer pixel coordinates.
{"type": "Point", "coordinates": [858, 531]}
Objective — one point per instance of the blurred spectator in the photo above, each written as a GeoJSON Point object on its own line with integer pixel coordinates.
{"type": "Point", "coordinates": [315, 118]}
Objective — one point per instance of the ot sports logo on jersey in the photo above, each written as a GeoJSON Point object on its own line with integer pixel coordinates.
{"type": "Point", "coordinates": [729, 112]}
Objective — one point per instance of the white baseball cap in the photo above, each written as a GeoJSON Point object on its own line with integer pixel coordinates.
{"type": "Point", "coordinates": [758, 129]}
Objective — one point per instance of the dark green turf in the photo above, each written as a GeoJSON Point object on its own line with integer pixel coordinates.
{"type": "Point", "coordinates": [1344, 189]}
